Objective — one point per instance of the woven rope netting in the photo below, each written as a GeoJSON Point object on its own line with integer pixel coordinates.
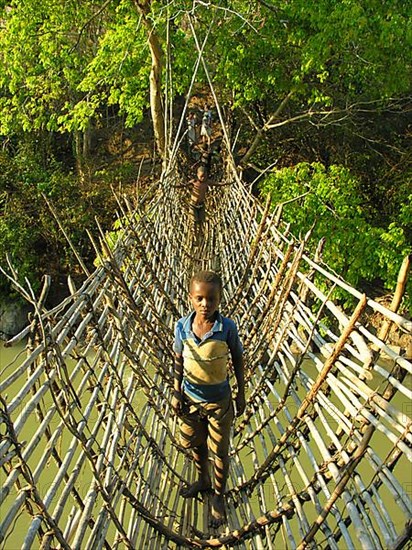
{"type": "Point", "coordinates": [90, 453]}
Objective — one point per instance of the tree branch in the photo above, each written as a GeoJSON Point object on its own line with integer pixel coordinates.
{"type": "Point", "coordinates": [324, 117]}
{"type": "Point", "coordinates": [98, 12]}
{"type": "Point", "coordinates": [263, 129]}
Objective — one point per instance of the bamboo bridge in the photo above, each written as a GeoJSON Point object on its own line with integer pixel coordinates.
{"type": "Point", "coordinates": [90, 453]}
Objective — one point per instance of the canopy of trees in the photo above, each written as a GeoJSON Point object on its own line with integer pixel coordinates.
{"type": "Point", "coordinates": [319, 91]}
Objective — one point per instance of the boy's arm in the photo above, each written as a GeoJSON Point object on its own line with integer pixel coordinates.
{"type": "Point", "coordinates": [220, 183]}
{"type": "Point", "coordinates": [181, 185]}
{"type": "Point", "coordinates": [238, 366]}
{"type": "Point", "coordinates": [177, 384]}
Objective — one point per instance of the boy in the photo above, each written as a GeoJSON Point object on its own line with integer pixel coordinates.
{"type": "Point", "coordinates": [200, 186]}
{"type": "Point", "coordinates": [197, 199]}
{"type": "Point", "coordinates": [191, 131]}
{"type": "Point", "coordinates": [202, 396]}
{"type": "Point", "coordinates": [206, 127]}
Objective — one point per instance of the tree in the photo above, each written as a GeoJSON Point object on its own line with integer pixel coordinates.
{"type": "Point", "coordinates": [330, 200]}
{"type": "Point", "coordinates": [44, 51]}
{"type": "Point", "coordinates": [156, 52]}
{"type": "Point", "coordinates": [323, 62]}
{"type": "Point", "coordinates": [303, 81]}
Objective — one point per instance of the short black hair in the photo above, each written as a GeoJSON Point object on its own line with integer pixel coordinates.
{"type": "Point", "coordinates": [205, 276]}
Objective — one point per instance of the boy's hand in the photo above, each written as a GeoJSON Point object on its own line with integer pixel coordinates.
{"type": "Point", "coordinates": [240, 404]}
{"type": "Point", "coordinates": [177, 403]}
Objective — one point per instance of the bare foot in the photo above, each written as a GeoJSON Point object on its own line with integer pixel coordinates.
{"type": "Point", "coordinates": [193, 490]}
{"type": "Point", "coordinates": [218, 511]}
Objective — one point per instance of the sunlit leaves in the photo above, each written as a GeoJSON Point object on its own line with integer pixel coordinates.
{"type": "Point", "coordinates": [77, 60]}
{"type": "Point", "coordinates": [330, 200]}
{"type": "Point", "coordinates": [118, 74]}
{"type": "Point", "coordinates": [62, 65]}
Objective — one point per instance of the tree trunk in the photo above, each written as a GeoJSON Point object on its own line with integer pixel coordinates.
{"type": "Point", "coordinates": [78, 154]}
{"type": "Point", "coordinates": [82, 142]}
{"type": "Point", "coordinates": [87, 140]}
{"type": "Point", "coordinates": [156, 104]}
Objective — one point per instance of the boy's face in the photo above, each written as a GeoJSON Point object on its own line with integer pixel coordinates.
{"type": "Point", "coordinates": [201, 175]}
{"type": "Point", "coordinates": [205, 299]}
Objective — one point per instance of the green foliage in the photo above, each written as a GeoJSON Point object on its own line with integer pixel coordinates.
{"type": "Point", "coordinates": [118, 74]}
{"type": "Point", "coordinates": [41, 63]}
{"type": "Point", "coordinates": [326, 53]}
{"type": "Point", "coordinates": [70, 69]}
{"type": "Point", "coordinates": [61, 67]}
{"type": "Point", "coordinates": [396, 238]}
{"type": "Point", "coordinates": [339, 46]}
{"type": "Point", "coordinates": [20, 235]}
{"type": "Point", "coordinates": [330, 200]}
{"type": "Point", "coordinates": [29, 235]}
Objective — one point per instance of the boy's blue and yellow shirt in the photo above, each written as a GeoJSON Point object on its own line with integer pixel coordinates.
{"type": "Point", "coordinates": [205, 360]}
